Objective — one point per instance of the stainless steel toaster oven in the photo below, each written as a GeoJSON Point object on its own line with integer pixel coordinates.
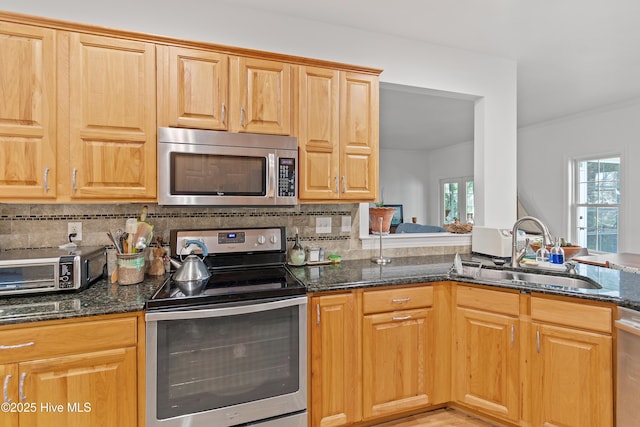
{"type": "Point", "coordinates": [28, 271]}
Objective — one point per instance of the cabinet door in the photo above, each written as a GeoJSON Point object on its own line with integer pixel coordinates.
{"type": "Point", "coordinates": [27, 112]}
{"type": "Point", "coordinates": [571, 375]}
{"type": "Point", "coordinates": [486, 372]}
{"type": "Point", "coordinates": [397, 361]}
{"type": "Point", "coordinates": [318, 134]}
{"type": "Point", "coordinates": [112, 135]}
{"type": "Point", "coordinates": [359, 109]}
{"type": "Point", "coordinates": [93, 389]}
{"type": "Point", "coordinates": [10, 378]}
{"type": "Point", "coordinates": [193, 86]}
{"type": "Point", "coordinates": [334, 367]}
{"type": "Point", "coordinates": [263, 89]}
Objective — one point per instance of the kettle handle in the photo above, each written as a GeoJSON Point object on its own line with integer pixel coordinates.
{"type": "Point", "coordinates": [205, 251]}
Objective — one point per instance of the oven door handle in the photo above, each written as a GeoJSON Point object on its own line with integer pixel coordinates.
{"type": "Point", "coordinates": [213, 311]}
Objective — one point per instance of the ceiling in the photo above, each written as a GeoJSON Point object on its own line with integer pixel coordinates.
{"type": "Point", "coordinates": [572, 55]}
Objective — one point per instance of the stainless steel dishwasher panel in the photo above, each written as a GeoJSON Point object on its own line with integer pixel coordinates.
{"type": "Point", "coordinates": [628, 368]}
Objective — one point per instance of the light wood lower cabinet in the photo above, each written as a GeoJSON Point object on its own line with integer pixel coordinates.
{"type": "Point", "coordinates": [397, 373]}
{"type": "Point", "coordinates": [82, 373]}
{"type": "Point", "coordinates": [487, 351]}
{"type": "Point", "coordinates": [335, 377]}
{"type": "Point", "coordinates": [571, 364]}
{"type": "Point", "coordinates": [520, 359]}
{"type": "Point", "coordinates": [372, 354]}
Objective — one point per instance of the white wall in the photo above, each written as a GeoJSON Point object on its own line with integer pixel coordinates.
{"type": "Point", "coordinates": [545, 151]}
{"type": "Point", "coordinates": [412, 178]}
{"type": "Point", "coordinates": [404, 179]}
{"type": "Point", "coordinates": [492, 80]}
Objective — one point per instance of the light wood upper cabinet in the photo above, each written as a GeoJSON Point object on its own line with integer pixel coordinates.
{"type": "Point", "coordinates": [261, 91]}
{"type": "Point", "coordinates": [487, 351]}
{"type": "Point", "coordinates": [27, 112]}
{"type": "Point", "coordinates": [359, 123]}
{"type": "Point", "coordinates": [112, 118]}
{"type": "Point", "coordinates": [338, 135]}
{"type": "Point", "coordinates": [319, 133]}
{"type": "Point", "coordinates": [193, 88]}
{"type": "Point", "coordinates": [334, 360]}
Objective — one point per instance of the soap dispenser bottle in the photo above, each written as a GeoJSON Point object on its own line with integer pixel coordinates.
{"type": "Point", "coordinates": [556, 256]}
{"type": "Point", "coordinates": [296, 254]}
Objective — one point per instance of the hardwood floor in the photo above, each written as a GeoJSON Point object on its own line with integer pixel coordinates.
{"type": "Point", "coordinates": [439, 418]}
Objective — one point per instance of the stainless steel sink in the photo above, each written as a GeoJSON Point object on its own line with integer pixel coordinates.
{"type": "Point", "coordinates": [527, 278]}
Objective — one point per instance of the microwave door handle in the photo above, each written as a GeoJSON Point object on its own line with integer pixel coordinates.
{"type": "Point", "coordinates": [271, 172]}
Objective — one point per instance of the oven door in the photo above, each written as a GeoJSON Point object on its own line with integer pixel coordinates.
{"type": "Point", "coordinates": [227, 365]}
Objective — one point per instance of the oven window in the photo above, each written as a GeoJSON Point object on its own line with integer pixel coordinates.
{"type": "Point", "coordinates": [211, 363]}
{"type": "Point", "coordinates": [27, 276]}
{"type": "Point", "coordinates": [211, 174]}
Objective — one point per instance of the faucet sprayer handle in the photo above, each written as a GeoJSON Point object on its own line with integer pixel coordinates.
{"type": "Point", "coordinates": [570, 267]}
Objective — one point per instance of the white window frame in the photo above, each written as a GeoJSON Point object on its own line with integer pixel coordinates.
{"type": "Point", "coordinates": [462, 197]}
{"type": "Point", "coordinates": [576, 191]}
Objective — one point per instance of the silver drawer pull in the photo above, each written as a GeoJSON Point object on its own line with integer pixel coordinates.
{"type": "Point", "coordinates": [395, 301]}
{"type": "Point", "coordinates": [402, 318]}
{"type": "Point", "coordinates": [23, 397]}
{"type": "Point", "coordinates": [5, 389]}
{"type": "Point", "coordinates": [9, 347]}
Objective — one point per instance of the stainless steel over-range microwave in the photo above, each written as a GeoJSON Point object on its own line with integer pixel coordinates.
{"type": "Point", "coordinates": [216, 168]}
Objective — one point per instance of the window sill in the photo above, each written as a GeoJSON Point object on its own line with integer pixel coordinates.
{"type": "Point", "coordinates": [412, 240]}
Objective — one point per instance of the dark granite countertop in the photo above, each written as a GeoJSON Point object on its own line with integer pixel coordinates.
{"type": "Point", "coordinates": [618, 287]}
{"type": "Point", "coordinates": [102, 297]}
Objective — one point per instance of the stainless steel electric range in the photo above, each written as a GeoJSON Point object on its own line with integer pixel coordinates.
{"type": "Point", "coordinates": [234, 352]}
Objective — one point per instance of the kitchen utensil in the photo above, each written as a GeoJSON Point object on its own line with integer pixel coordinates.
{"type": "Point", "coordinates": [131, 227]}
{"type": "Point", "coordinates": [114, 241]}
{"type": "Point", "coordinates": [192, 274]}
{"type": "Point", "coordinates": [143, 214]}
{"type": "Point", "coordinates": [141, 244]}
{"type": "Point", "coordinates": [144, 232]}
{"type": "Point", "coordinates": [124, 242]}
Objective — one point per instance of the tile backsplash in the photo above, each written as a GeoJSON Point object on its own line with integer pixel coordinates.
{"type": "Point", "coordinates": [45, 225]}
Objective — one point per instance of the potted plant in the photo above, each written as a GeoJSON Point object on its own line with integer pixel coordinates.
{"type": "Point", "coordinates": [377, 212]}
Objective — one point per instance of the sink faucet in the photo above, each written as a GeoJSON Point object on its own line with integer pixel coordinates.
{"type": "Point", "coordinates": [517, 256]}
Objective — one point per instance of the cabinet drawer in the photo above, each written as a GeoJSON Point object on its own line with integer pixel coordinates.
{"type": "Point", "coordinates": [488, 300]}
{"type": "Point", "coordinates": [397, 299]}
{"type": "Point", "coordinates": [572, 314]}
{"type": "Point", "coordinates": [30, 343]}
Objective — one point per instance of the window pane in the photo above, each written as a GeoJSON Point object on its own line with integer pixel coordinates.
{"type": "Point", "coordinates": [470, 201]}
{"type": "Point", "coordinates": [598, 183]}
{"type": "Point", "coordinates": [450, 202]}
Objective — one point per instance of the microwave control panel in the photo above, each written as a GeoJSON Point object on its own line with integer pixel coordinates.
{"type": "Point", "coordinates": [286, 177]}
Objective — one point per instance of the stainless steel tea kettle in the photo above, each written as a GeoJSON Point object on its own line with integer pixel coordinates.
{"type": "Point", "coordinates": [191, 274]}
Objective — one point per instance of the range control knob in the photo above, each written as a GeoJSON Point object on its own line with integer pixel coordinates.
{"type": "Point", "coordinates": [274, 239]}
{"type": "Point", "coordinates": [261, 239]}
